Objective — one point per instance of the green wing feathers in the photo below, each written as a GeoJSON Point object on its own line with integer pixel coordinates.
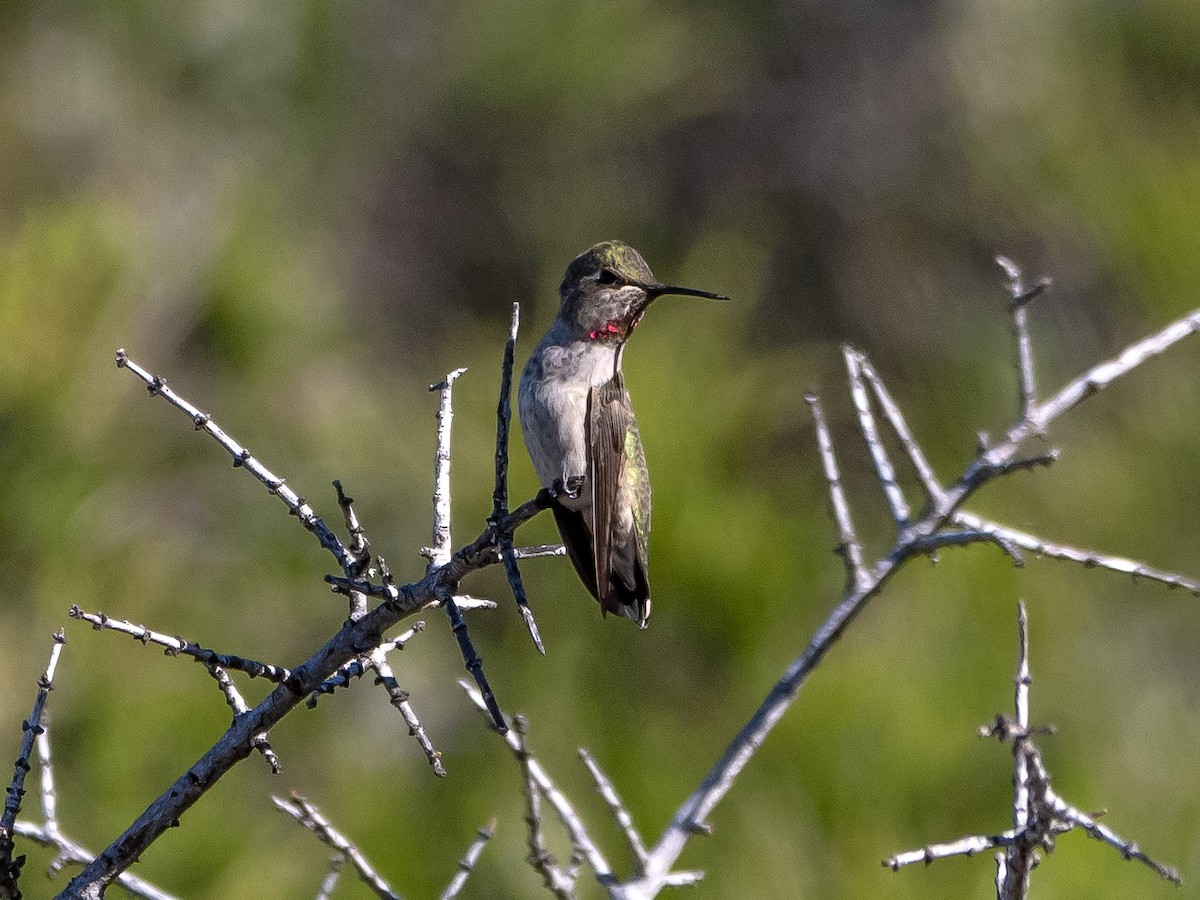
{"type": "Point", "coordinates": [620, 503]}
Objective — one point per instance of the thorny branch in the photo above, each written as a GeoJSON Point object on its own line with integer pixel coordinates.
{"type": "Point", "coordinates": [1040, 815]}
{"type": "Point", "coordinates": [10, 868]}
{"type": "Point", "coordinates": [915, 536]}
{"type": "Point", "coordinates": [500, 494]}
{"type": "Point", "coordinates": [581, 841]}
{"type": "Point", "coordinates": [175, 646]}
{"type": "Point", "coordinates": [942, 523]}
{"type": "Point", "coordinates": [943, 504]}
{"type": "Point", "coordinates": [467, 864]}
{"type": "Point", "coordinates": [308, 815]}
{"type": "Point", "coordinates": [561, 881]}
{"type": "Point", "coordinates": [358, 636]}
{"type": "Point", "coordinates": [440, 552]}
{"type": "Point", "coordinates": [48, 833]}
{"type": "Point", "coordinates": [556, 880]}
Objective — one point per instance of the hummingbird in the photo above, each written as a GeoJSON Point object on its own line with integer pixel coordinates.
{"type": "Point", "coordinates": [579, 426]}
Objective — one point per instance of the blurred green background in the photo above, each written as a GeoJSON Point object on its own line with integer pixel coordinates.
{"type": "Point", "coordinates": [303, 214]}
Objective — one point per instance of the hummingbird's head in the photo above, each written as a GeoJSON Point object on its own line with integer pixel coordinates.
{"type": "Point", "coordinates": [607, 289]}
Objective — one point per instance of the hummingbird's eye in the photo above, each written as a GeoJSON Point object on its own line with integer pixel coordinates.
{"type": "Point", "coordinates": [606, 276]}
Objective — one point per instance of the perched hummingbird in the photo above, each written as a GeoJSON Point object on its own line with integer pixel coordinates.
{"type": "Point", "coordinates": [578, 423]}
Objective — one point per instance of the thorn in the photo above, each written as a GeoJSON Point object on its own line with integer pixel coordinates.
{"type": "Point", "coordinates": [1028, 294]}
{"type": "Point", "coordinates": [527, 614]}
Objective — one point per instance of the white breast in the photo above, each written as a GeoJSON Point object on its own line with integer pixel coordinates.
{"type": "Point", "coordinates": [553, 401]}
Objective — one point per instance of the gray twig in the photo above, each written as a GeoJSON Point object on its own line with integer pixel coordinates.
{"type": "Point", "coordinates": [891, 411]}
{"type": "Point", "coordinates": [1089, 559]}
{"type": "Point", "coordinates": [1039, 814]}
{"type": "Point", "coordinates": [504, 542]}
{"type": "Point", "coordinates": [849, 546]}
{"type": "Point", "coordinates": [234, 698]}
{"type": "Point", "coordinates": [399, 699]}
{"type": "Point", "coordinates": [310, 817]}
{"type": "Point", "coordinates": [879, 454]}
{"type": "Point", "coordinates": [355, 668]}
{"type": "Point", "coordinates": [10, 868]}
{"type": "Point", "coordinates": [176, 646]}
{"type": "Point", "coordinates": [332, 873]}
{"type": "Point", "coordinates": [580, 838]}
{"type": "Point", "coordinates": [440, 555]}
{"type": "Point", "coordinates": [1021, 296]}
{"type": "Point", "coordinates": [360, 550]}
{"type": "Point", "coordinates": [966, 537]}
{"type": "Point", "coordinates": [467, 864]}
{"type": "Point", "coordinates": [242, 458]}
{"type": "Point", "coordinates": [48, 833]}
{"type": "Point", "coordinates": [554, 878]}
{"type": "Point", "coordinates": [618, 809]}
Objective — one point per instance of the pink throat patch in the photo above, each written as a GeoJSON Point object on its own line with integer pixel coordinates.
{"type": "Point", "coordinates": [612, 329]}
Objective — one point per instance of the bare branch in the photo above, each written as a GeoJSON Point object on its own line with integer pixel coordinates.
{"type": "Point", "coordinates": [332, 874]}
{"type": "Point", "coordinates": [513, 574]}
{"type": "Point", "coordinates": [49, 834]}
{"type": "Point", "coordinates": [1039, 814]}
{"type": "Point", "coordinates": [575, 828]}
{"type": "Point", "coordinates": [71, 853]}
{"type": "Point", "coordinates": [618, 809]}
{"type": "Point", "coordinates": [46, 771]}
{"type": "Point", "coordinates": [1129, 850]}
{"type": "Point", "coordinates": [10, 868]}
{"type": "Point", "coordinates": [895, 417]}
{"type": "Point", "coordinates": [1023, 463]}
{"type": "Point", "coordinates": [500, 493]}
{"type": "Point", "coordinates": [441, 583]}
{"type": "Point", "coordinates": [1013, 867]}
{"type": "Point", "coordinates": [234, 698]}
{"type": "Point", "coordinates": [356, 667]}
{"type": "Point", "coordinates": [466, 865]}
{"type": "Point", "coordinates": [237, 740]}
{"type": "Point", "coordinates": [504, 417]}
{"type": "Point", "coordinates": [879, 455]}
{"type": "Point", "coordinates": [176, 646]}
{"type": "Point", "coordinates": [242, 458]}
{"type": "Point", "coordinates": [849, 546]}
{"type": "Point", "coordinates": [441, 489]}
{"type": "Point", "coordinates": [935, 542]}
{"type": "Point", "coordinates": [399, 699]}
{"type": "Point", "coordinates": [310, 817]}
{"type": "Point", "coordinates": [539, 551]}
{"type": "Point", "coordinates": [1101, 376]}
{"type": "Point", "coordinates": [967, 846]}
{"type": "Point", "coordinates": [1088, 558]}
{"type": "Point", "coordinates": [1021, 296]}
{"type": "Point", "coordinates": [376, 659]}
{"type": "Point", "coordinates": [360, 549]}
{"type": "Point", "coordinates": [691, 816]}
{"type": "Point", "coordinates": [440, 556]}
{"type": "Point", "coordinates": [557, 881]}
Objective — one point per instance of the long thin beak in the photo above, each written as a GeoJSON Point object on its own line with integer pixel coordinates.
{"type": "Point", "coordinates": [657, 290]}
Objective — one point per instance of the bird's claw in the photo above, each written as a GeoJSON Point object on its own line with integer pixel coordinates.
{"type": "Point", "coordinates": [569, 486]}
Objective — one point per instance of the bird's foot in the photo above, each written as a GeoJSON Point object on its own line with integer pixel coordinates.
{"type": "Point", "coordinates": [568, 486]}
